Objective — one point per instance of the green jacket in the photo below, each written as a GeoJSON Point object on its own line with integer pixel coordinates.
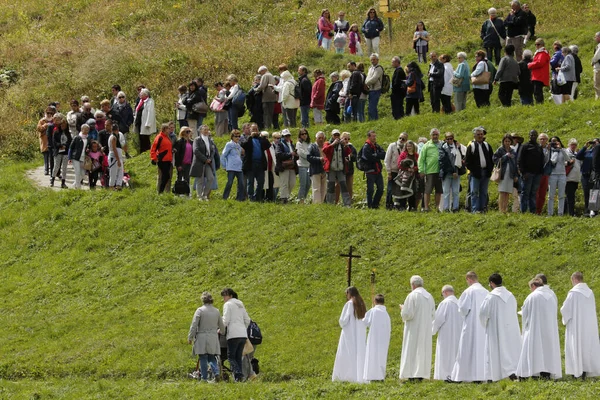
{"type": "Point", "coordinates": [429, 158]}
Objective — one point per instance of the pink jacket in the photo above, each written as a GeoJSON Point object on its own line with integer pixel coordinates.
{"type": "Point", "coordinates": [325, 27]}
{"type": "Point", "coordinates": [317, 97]}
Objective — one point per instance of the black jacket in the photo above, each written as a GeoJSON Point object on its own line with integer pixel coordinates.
{"type": "Point", "coordinates": [305, 90]}
{"type": "Point", "coordinates": [248, 147]}
{"type": "Point", "coordinates": [437, 74]}
{"type": "Point", "coordinates": [372, 157]}
{"type": "Point", "coordinates": [57, 140]}
{"type": "Point", "coordinates": [314, 158]}
{"type": "Point", "coordinates": [488, 34]}
{"type": "Point", "coordinates": [194, 97]}
{"type": "Point", "coordinates": [399, 82]}
{"type": "Point", "coordinates": [284, 152]}
{"type": "Point", "coordinates": [76, 148]}
{"type": "Point", "coordinates": [578, 68]}
{"type": "Point", "coordinates": [333, 93]}
{"type": "Point", "coordinates": [596, 162]}
{"type": "Point", "coordinates": [179, 150]}
{"type": "Point", "coordinates": [531, 159]}
{"type": "Point", "coordinates": [355, 85]}
{"type": "Point", "coordinates": [125, 113]}
{"type": "Point", "coordinates": [473, 162]}
{"type": "Point", "coordinates": [516, 24]}
{"type": "Point", "coordinates": [82, 119]}
{"type": "Point", "coordinates": [525, 85]}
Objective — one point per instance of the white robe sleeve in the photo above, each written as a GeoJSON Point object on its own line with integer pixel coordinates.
{"type": "Point", "coordinates": [440, 318]}
{"type": "Point", "coordinates": [567, 309]}
{"type": "Point", "coordinates": [347, 312]}
{"type": "Point", "coordinates": [464, 304]}
{"type": "Point", "coordinates": [408, 311]}
{"type": "Point", "coordinates": [484, 312]}
{"type": "Point", "coordinates": [368, 318]}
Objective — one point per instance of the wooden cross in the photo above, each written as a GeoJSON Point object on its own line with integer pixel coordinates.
{"type": "Point", "coordinates": [349, 265]}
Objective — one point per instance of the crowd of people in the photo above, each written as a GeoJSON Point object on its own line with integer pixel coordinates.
{"type": "Point", "coordinates": [479, 337]}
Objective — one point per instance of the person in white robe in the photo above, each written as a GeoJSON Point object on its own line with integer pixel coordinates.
{"type": "Point", "coordinates": [582, 346]}
{"type": "Point", "coordinates": [498, 314]}
{"type": "Point", "coordinates": [417, 313]}
{"type": "Point", "coordinates": [378, 340]}
{"type": "Point", "coordinates": [540, 354]}
{"type": "Point", "coordinates": [350, 357]}
{"type": "Point", "coordinates": [469, 365]}
{"type": "Point", "coordinates": [447, 324]}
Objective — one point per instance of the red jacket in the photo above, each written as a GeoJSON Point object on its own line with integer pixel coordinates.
{"type": "Point", "coordinates": [328, 151]}
{"type": "Point", "coordinates": [317, 97]}
{"type": "Point", "coordinates": [162, 148]}
{"type": "Point", "coordinates": [540, 67]}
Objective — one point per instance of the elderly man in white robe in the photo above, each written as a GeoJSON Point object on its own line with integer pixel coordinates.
{"type": "Point", "coordinates": [417, 313]}
{"type": "Point", "coordinates": [378, 341]}
{"type": "Point", "coordinates": [498, 314]}
{"type": "Point", "coordinates": [447, 324]}
{"type": "Point", "coordinates": [540, 354]}
{"type": "Point", "coordinates": [469, 365]}
{"type": "Point", "coordinates": [582, 346]}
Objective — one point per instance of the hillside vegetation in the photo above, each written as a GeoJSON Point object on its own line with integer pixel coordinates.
{"type": "Point", "coordinates": [98, 288]}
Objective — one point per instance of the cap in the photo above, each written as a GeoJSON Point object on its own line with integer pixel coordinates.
{"type": "Point", "coordinates": [91, 121]}
{"type": "Point", "coordinates": [516, 135]}
{"type": "Point", "coordinates": [286, 132]}
{"type": "Point", "coordinates": [335, 132]}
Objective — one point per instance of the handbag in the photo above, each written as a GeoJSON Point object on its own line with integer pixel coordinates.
{"type": "Point", "coordinates": [216, 105]}
{"type": "Point", "coordinates": [482, 79]}
{"type": "Point", "coordinates": [200, 107]}
{"type": "Point", "coordinates": [359, 49]}
{"type": "Point", "coordinates": [502, 41]}
{"type": "Point", "coordinates": [457, 82]}
{"type": "Point", "coordinates": [288, 164]}
{"type": "Point", "coordinates": [497, 172]}
{"type": "Point", "coordinates": [87, 163]}
{"type": "Point", "coordinates": [248, 348]}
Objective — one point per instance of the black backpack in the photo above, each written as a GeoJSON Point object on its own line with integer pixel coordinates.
{"type": "Point", "coordinates": [360, 161]}
{"type": "Point", "coordinates": [254, 333]}
{"type": "Point", "coordinates": [297, 91]}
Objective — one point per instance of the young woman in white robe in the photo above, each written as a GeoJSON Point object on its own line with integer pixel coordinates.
{"type": "Point", "coordinates": [350, 357]}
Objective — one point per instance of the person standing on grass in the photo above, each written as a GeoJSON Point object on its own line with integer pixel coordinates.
{"type": "Point", "coordinates": [540, 199]}
{"type": "Point", "coordinates": [341, 27]}
{"type": "Point", "coordinates": [122, 108]}
{"type": "Point", "coordinates": [516, 28]}
{"type": "Point", "coordinates": [236, 321]}
{"type": "Point", "coordinates": [418, 312]}
{"type": "Point", "coordinates": [350, 356]}
{"type": "Point", "coordinates": [585, 156]}
{"type": "Point", "coordinates": [447, 89]}
{"type": "Point", "coordinates": [451, 160]}
{"type": "Point", "coordinates": [507, 76]}
{"type": "Point", "coordinates": [78, 150]}
{"type": "Point", "coordinates": [45, 136]}
{"type": "Point", "coordinates": [391, 166]}
{"type": "Point", "coordinates": [289, 104]}
{"type": "Point", "coordinates": [596, 66]}
{"type": "Point", "coordinates": [421, 42]}
{"type": "Point", "coordinates": [201, 164]}
{"type": "Point", "coordinates": [318, 176]}
{"type": "Point", "coordinates": [435, 82]}
{"type": "Point", "coordinates": [498, 315]}
{"type": "Point", "coordinates": [145, 120]}
{"type": "Point", "coordinates": [269, 97]}
{"type": "Point", "coordinates": [540, 354]}
{"type": "Point", "coordinates": [326, 29]}
{"type": "Point", "coordinates": [115, 158]}
{"type": "Point", "coordinates": [378, 340]}
{"type": "Point", "coordinates": [232, 162]}
{"type": "Point", "coordinates": [525, 83]}
{"type": "Point", "coordinates": [506, 158]}
{"type": "Point", "coordinates": [184, 154]}
{"type": "Point", "coordinates": [317, 97]}
{"type": "Point", "coordinates": [161, 154]}
{"type": "Point", "coordinates": [582, 347]}
{"type": "Point", "coordinates": [559, 159]}
{"type": "Point", "coordinates": [255, 164]}
{"type": "Point", "coordinates": [332, 105]}
{"type": "Point", "coordinates": [447, 324]}
{"type": "Point", "coordinates": [398, 86]}
{"type": "Point", "coordinates": [336, 156]}
{"type": "Point", "coordinates": [414, 88]}
{"type": "Point", "coordinates": [373, 82]}
{"type": "Point", "coordinates": [429, 169]}
{"type": "Point", "coordinates": [492, 32]}
{"type": "Point", "coordinates": [469, 365]}
{"type": "Point", "coordinates": [372, 154]}
{"type": "Point", "coordinates": [286, 167]}
{"type": "Point", "coordinates": [462, 72]}
{"type": "Point", "coordinates": [303, 149]}
{"type": "Point", "coordinates": [531, 167]}
{"type": "Point", "coordinates": [372, 28]}
{"type": "Point", "coordinates": [305, 95]}
{"type": "Point", "coordinates": [61, 140]}
{"type": "Point", "coordinates": [204, 336]}
{"type": "Point", "coordinates": [479, 162]}
{"type": "Point", "coordinates": [481, 91]}
{"type": "Point", "coordinates": [540, 70]}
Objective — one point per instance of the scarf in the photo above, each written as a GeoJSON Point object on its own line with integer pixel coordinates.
{"type": "Point", "coordinates": [141, 104]}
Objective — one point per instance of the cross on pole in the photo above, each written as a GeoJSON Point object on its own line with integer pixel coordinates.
{"type": "Point", "coordinates": [349, 265]}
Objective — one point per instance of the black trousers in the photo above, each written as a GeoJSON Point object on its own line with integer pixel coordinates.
{"type": "Point", "coordinates": [397, 106]}
{"type": "Point", "coordinates": [496, 51]}
{"type": "Point", "coordinates": [412, 104]}
{"type": "Point", "coordinates": [332, 117]}
{"type": "Point", "coordinates": [571, 188]}
{"type": "Point", "coordinates": [505, 93]}
{"type": "Point", "coordinates": [538, 91]}
{"type": "Point", "coordinates": [482, 97]}
{"type": "Point", "coordinates": [446, 103]}
{"type": "Point", "coordinates": [164, 169]}
{"type": "Point", "coordinates": [435, 94]}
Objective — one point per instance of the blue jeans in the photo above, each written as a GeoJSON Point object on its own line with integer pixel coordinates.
{"type": "Point", "coordinates": [235, 349]}
{"type": "Point", "coordinates": [233, 117]}
{"type": "Point", "coordinates": [479, 193]}
{"type": "Point", "coordinates": [586, 186]}
{"type": "Point", "coordinates": [361, 110]}
{"type": "Point", "coordinates": [450, 185]}
{"type": "Point", "coordinates": [529, 188]}
{"type": "Point", "coordinates": [389, 202]}
{"type": "Point", "coordinates": [304, 182]}
{"type": "Point", "coordinates": [240, 185]}
{"type": "Point", "coordinates": [559, 182]}
{"type": "Point", "coordinates": [256, 173]}
{"type": "Point", "coordinates": [373, 197]}
{"type": "Point", "coordinates": [206, 359]}
{"type": "Point", "coordinates": [526, 101]}
{"type": "Point", "coordinates": [374, 96]}
{"type": "Point", "coordinates": [304, 116]}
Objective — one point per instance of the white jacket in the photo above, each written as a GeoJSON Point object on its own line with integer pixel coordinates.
{"type": "Point", "coordinates": [235, 319]}
{"type": "Point", "coordinates": [289, 101]}
{"type": "Point", "coordinates": [148, 126]}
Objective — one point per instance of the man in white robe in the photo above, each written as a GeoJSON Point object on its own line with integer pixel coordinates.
{"type": "Point", "coordinates": [417, 313]}
{"type": "Point", "coordinates": [469, 365]}
{"type": "Point", "coordinates": [447, 324]}
{"type": "Point", "coordinates": [540, 354]}
{"type": "Point", "coordinates": [498, 314]}
{"type": "Point", "coordinates": [582, 346]}
{"type": "Point", "coordinates": [378, 341]}
{"type": "Point", "coordinates": [350, 356]}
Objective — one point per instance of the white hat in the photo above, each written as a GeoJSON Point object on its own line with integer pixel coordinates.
{"type": "Point", "coordinates": [286, 132]}
{"type": "Point", "coordinates": [335, 132]}
{"type": "Point", "coordinates": [264, 134]}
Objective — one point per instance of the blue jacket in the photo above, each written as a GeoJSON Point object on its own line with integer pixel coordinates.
{"type": "Point", "coordinates": [372, 27]}
{"type": "Point", "coordinates": [502, 154]}
{"type": "Point", "coordinates": [410, 79]}
{"type": "Point", "coordinates": [232, 156]}
{"type": "Point", "coordinates": [314, 158]}
{"type": "Point", "coordinates": [462, 71]}
{"type": "Point", "coordinates": [586, 156]}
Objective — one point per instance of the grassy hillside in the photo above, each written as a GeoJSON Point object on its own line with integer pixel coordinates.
{"type": "Point", "coordinates": [98, 288]}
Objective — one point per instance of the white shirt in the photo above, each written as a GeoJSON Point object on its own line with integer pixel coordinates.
{"type": "Point", "coordinates": [207, 143]}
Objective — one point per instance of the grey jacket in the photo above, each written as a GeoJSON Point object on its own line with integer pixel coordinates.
{"type": "Point", "coordinates": [508, 70]}
{"type": "Point", "coordinates": [203, 331]}
{"type": "Point", "coordinates": [568, 68]}
{"type": "Point", "coordinates": [200, 157]}
{"type": "Point", "coordinates": [269, 95]}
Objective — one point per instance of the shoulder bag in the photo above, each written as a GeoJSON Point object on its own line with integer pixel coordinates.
{"type": "Point", "coordinates": [497, 172]}
{"type": "Point", "coordinates": [502, 41]}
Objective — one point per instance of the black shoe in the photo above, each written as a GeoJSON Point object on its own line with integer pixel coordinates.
{"type": "Point", "coordinates": [52, 182]}
{"type": "Point", "coordinates": [545, 375]}
{"type": "Point", "coordinates": [513, 377]}
{"type": "Point", "coordinates": [63, 185]}
{"type": "Point", "coordinates": [127, 156]}
{"type": "Point", "coordinates": [46, 173]}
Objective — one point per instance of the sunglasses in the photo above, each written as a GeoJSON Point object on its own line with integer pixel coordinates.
{"type": "Point", "coordinates": [121, 97]}
{"type": "Point", "coordinates": [236, 136]}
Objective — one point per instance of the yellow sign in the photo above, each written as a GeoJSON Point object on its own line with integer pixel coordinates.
{"type": "Point", "coordinates": [392, 14]}
{"type": "Point", "coordinates": [384, 6]}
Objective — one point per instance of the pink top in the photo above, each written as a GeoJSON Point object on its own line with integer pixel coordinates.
{"type": "Point", "coordinates": [187, 156]}
{"type": "Point", "coordinates": [95, 155]}
{"type": "Point", "coordinates": [325, 26]}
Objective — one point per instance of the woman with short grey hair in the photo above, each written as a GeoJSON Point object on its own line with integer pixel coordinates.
{"type": "Point", "coordinates": [578, 70]}
{"type": "Point", "coordinates": [462, 82]}
{"type": "Point", "coordinates": [568, 69]}
{"type": "Point", "coordinates": [203, 334]}
{"type": "Point", "coordinates": [145, 119]}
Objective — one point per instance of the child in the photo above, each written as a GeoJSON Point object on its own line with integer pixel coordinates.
{"type": "Point", "coordinates": [354, 41]}
{"type": "Point", "coordinates": [421, 42]}
{"type": "Point", "coordinates": [97, 159]}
